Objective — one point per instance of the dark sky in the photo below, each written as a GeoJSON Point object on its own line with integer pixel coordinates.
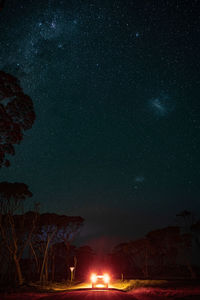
{"type": "Point", "coordinates": [115, 86]}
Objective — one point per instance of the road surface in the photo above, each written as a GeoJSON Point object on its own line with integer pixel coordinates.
{"type": "Point", "coordinates": [72, 295]}
{"type": "Point", "coordinates": [92, 295]}
{"type": "Point", "coordinates": [104, 295]}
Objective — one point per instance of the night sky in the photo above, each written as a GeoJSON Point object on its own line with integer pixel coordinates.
{"type": "Point", "coordinates": [115, 87]}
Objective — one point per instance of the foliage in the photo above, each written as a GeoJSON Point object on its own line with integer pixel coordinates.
{"type": "Point", "coordinates": [195, 228]}
{"type": "Point", "coordinates": [16, 115]}
{"type": "Point", "coordinates": [12, 196]}
{"type": "Point", "coordinates": [52, 229]}
{"type": "Point", "coordinates": [154, 254]}
{"type": "Point", "coordinates": [2, 3]}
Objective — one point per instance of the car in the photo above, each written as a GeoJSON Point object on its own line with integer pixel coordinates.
{"type": "Point", "coordinates": [100, 281]}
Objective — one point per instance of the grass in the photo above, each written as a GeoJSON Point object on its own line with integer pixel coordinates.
{"type": "Point", "coordinates": [128, 285]}
{"type": "Point", "coordinates": [125, 285]}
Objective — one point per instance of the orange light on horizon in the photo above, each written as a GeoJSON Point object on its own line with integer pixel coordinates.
{"type": "Point", "coordinates": [100, 286]}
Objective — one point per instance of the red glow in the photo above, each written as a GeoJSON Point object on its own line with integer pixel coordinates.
{"type": "Point", "coordinates": [100, 281]}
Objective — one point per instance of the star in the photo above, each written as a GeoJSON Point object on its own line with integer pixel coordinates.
{"type": "Point", "coordinates": [53, 24]}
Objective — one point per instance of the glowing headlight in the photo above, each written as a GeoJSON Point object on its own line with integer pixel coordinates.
{"type": "Point", "coordinates": [94, 278]}
{"type": "Point", "coordinates": [106, 278]}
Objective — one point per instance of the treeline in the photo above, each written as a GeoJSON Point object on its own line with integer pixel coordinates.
{"type": "Point", "coordinates": [31, 237]}
{"type": "Point", "coordinates": [29, 242]}
{"type": "Point", "coordinates": [167, 252]}
{"type": "Point", "coordinates": [33, 246]}
{"type": "Point", "coordinates": [38, 246]}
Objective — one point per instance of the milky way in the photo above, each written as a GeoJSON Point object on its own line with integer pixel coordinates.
{"type": "Point", "coordinates": [114, 86]}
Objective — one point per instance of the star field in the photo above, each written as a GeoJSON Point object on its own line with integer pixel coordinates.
{"type": "Point", "coordinates": [115, 86]}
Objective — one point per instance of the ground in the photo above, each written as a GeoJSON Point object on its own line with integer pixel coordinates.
{"type": "Point", "coordinates": [132, 289]}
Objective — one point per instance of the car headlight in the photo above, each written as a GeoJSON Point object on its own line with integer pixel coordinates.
{"type": "Point", "coordinates": [106, 278]}
{"type": "Point", "coordinates": [93, 278]}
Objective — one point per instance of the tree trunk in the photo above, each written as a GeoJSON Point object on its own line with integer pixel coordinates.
{"type": "Point", "coordinates": [53, 268]}
{"type": "Point", "coordinates": [18, 269]}
{"type": "Point", "coordinates": [45, 255]}
{"type": "Point", "coordinates": [43, 263]}
{"type": "Point", "coordinates": [146, 263]}
{"type": "Point", "coordinates": [46, 270]}
{"type": "Point", "coordinates": [192, 273]}
{"type": "Point", "coordinates": [75, 264]}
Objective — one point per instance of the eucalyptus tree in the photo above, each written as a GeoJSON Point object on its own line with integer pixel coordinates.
{"type": "Point", "coordinates": [51, 229]}
{"type": "Point", "coordinates": [15, 229]}
{"type": "Point", "coordinates": [16, 115]}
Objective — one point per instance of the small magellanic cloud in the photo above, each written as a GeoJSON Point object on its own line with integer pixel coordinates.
{"type": "Point", "coordinates": [139, 179]}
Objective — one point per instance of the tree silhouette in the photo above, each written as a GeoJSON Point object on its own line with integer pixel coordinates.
{"type": "Point", "coordinates": [85, 259]}
{"type": "Point", "coordinates": [2, 3]}
{"type": "Point", "coordinates": [52, 229]}
{"type": "Point", "coordinates": [188, 218]}
{"type": "Point", "coordinates": [122, 259]}
{"type": "Point", "coordinates": [156, 253]}
{"type": "Point", "coordinates": [12, 196]}
{"type": "Point", "coordinates": [16, 115]}
{"type": "Point", "coordinates": [195, 228]}
{"type": "Point", "coordinates": [15, 230]}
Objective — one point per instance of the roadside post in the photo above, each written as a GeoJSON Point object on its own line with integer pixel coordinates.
{"type": "Point", "coordinates": [72, 273]}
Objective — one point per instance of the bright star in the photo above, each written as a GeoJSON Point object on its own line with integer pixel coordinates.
{"type": "Point", "coordinates": [53, 24]}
